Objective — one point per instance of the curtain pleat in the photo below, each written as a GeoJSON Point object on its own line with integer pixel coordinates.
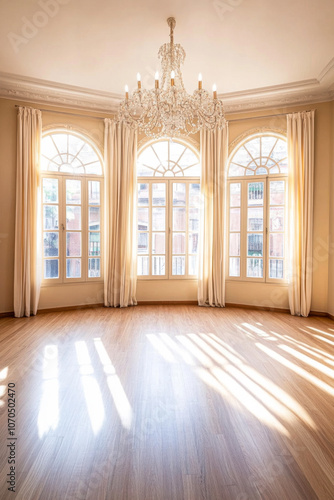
{"type": "Point", "coordinates": [211, 281]}
{"type": "Point", "coordinates": [27, 253]}
{"type": "Point", "coordinates": [120, 151]}
{"type": "Point", "coordinates": [300, 130]}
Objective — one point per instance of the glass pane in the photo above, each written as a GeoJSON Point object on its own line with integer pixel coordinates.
{"type": "Point", "coordinates": [280, 151]}
{"type": "Point", "coordinates": [276, 219]}
{"type": "Point", "coordinates": [142, 219]}
{"type": "Point", "coordinates": [175, 151]}
{"type": "Point", "coordinates": [254, 268]}
{"type": "Point", "coordinates": [73, 244]}
{"type": "Point", "coordinates": [235, 192]}
{"type": "Point", "coordinates": [94, 192]}
{"type": "Point", "coordinates": [255, 193]}
{"type": "Point", "coordinates": [235, 219]}
{"type": "Point", "coordinates": [277, 192]}
{"type": "Point", "coordinates": [50, 190]}
{"type": "Point", "coordinates": [143, 194]}
{"type": "Point", "coordinates": [73, 268]}
{"type": "Point", "coordinates": [234, 243]}
{"type": "Point", "coordinates": [179, 193]}
{"type": "Point", "coordinates": [179, 243]}
{"type": "Point", "coordinates": [51, 244]}
{"type": "Point", "coordinates": [94, 219]}
{"type": "Point", "coordinates": [193, 219]}
{"type": "Point", "coordinates": [179, 219]}
{"type": "Point", "coordinates": [255, 219]}
{"type": "Point", "coordinates": [193, 243]}
{"type": "Point", "coordinates": [255, 245]}
{"type": "Point", "coordinates": [276, 269]}
{"type": "Point", "coordinates": [158, 266]}
{"type": "Point", "coordinates": [194, 194]}
{"type": "Point", "coordinates": [94, 268]}
{"type": "Point", "coordinates": [242, 157]}
{"type": "Point", "coordinates": [234, 266]}
{"type": "Point", "coordinates": [142, 243]}
{"type": "Point", "coordinates": [94, 244]}
{"type": "Point", "coordinates": [267, 142]}
{"type": "Point", "coordinates": [158, 243]}
{"type": "Point", "coordinates": [178, 266]}
{"type": "Point", "coordinates": [276, 245]}
{"type": "Point", "coordinates": [73, 217]}
{"type": "Point", "coordinates": [158, 219]}
{"type": "Point", "coordinates": [236, 170]}
{"type": "Point", "coordinates": [51, 269]}
{"type": "Point", "coordinates": [73, 191]}
{"type": "Point", "coordinates": [50, 217]}
{"type": "Point", "coordinates": [159, 194]}
{"type": "Point", "coordinates": [142, 266]}
{"type": "Point", "coordinates": [253, 146]}
{"type": "Point", "coordinates": [192, 265]}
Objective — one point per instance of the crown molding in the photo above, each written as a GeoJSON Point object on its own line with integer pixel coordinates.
{"type": "Point", "coordinates": [44, 92]}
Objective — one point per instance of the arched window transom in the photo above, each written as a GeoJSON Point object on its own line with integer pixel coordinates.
{"type": "Point", "coordinates": [65, 152]}
{"type": "Point", "coordinates": [263, 155]}
{"type": "Point", "coordinates": [168, 158]}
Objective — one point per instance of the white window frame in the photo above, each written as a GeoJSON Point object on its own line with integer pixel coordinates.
{"type": "Point", "coordinates": [84, 178]}
{"type": "Point", "coordinates": [244, 181]}
{"type": "Point", "coordinates": [168, 181]}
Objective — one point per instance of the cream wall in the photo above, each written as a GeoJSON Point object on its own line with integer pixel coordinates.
{"type": "Point", "coordinates": [236, 292]}
{"type": "Point", "coordinates": [330, 307]}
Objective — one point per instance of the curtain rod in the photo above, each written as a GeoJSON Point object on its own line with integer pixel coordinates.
{"type": "Point", "coordinates": [264, 116]}
{"type": "Point", "coordinates": [67, 113]}
{"type": "Point", "coordinates": [102, 118]}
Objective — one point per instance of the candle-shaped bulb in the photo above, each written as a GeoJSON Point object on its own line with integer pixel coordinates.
{"type": "Point", "coordinates": [200, 79]}
{"type": "Point", "coordinates": [126, 92]}
{"type": "Point", "coordinates": [156, 79]}
{"type": "Point", "coordinates": [172, 77]}
{"type": "Point", "coordinates": [214, 90]}
{"type": "Point", "coordinates": [139, 80]}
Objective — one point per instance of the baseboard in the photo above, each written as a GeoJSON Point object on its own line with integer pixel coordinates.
{"type": "Point", "coordinates": [321, 314]}
{"type": "Point", "coordinates": [257, 308]}
{"type": "Point", "coordinates": [168, 303]}
{"type": "Point", "coordinates": [70, 308]}
{"type": "Point", "coordinates": [9, 314]}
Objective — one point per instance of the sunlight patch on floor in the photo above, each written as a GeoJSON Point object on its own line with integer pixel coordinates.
{"type": "Point", "coordinates": [91, 389]}
{"type": "Point", "coordinates": [48, 416]}
{"type": "Point", "coordinates": [119, 396]}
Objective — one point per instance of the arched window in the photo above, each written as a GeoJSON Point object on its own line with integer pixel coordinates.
{"type": "Point", "coordinates": [257, 189]}
{"type": "Point", "coordinates": [71, 207]}
{"type": "Point", "coordinates": [168, 210]}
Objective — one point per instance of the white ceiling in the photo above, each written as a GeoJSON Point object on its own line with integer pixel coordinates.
{"type": "Point", "coordinates": [247, 47]}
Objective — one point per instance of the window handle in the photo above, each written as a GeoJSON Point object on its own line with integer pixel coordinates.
{"type": "Point", "coordinates": [63, 227]}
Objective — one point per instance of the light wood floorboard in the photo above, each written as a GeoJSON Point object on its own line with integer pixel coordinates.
{"type": "Point", "coordinates": [172, 402]}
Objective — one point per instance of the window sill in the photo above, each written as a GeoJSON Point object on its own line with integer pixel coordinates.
{"type": "Point", "coordinates": [71, 283]}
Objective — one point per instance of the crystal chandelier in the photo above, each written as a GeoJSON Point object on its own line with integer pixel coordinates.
{"type": "Point", "coordinates": [168, 110]}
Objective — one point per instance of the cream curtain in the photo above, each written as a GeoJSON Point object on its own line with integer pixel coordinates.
{"type": "Point", "coordinates": [300, 129]}
{"type": "Point", "coordinates": [211, 281]}
{"type": "Point", "coordinates": [27, 256]}
{"type": "Point", "coordinates": [120, 151]}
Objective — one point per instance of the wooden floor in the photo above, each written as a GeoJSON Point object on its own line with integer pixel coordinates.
{"type": "Point", "coordinates": [169, 402]}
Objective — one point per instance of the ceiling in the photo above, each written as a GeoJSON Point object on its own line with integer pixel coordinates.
{"type": "Point", "coordinates": [82, 52]}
